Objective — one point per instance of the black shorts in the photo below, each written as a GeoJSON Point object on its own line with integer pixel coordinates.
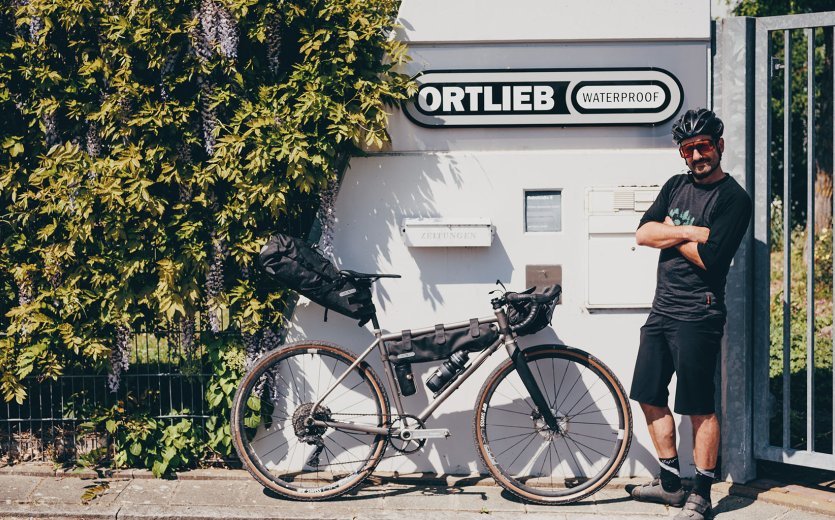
{"type": "Point", "coordinates": [688, 348]}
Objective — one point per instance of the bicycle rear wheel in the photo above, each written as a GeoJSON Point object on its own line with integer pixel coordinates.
{"type": "Point", "coordinates": [554, 467]}
{"type": "Point", "coordinates": [268, 421]}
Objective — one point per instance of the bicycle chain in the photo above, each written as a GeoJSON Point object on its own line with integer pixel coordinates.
{"type": "Point", "coordinates": [390, 430]}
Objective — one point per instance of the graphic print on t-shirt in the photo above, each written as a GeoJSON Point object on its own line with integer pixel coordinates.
{"type": "Point", "coordinates": [682, 219]}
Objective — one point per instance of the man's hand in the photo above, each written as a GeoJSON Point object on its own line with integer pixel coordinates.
{"type": "Point", "coordinates": [689, 249]}
{"type": "Point", "coordinates": [696, 234]}
{"type": "Point", "coordinates": [663, 235]}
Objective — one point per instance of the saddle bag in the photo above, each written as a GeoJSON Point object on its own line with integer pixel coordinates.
{"type": "Point", "coordinates": [301, 267]}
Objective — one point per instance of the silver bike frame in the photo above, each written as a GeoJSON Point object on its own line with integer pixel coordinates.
{"type": "Point", "coordinates": [379, 342]}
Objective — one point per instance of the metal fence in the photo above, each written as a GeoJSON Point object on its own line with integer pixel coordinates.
{"type": "Point", "coordinates": [793, 291]}
{"type": "Point", "coordinates": [168, 378]}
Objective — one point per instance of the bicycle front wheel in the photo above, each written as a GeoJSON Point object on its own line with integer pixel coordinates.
{"type": "Point", "coordinates": [536, 463]}
{"type": "Point", "coordinates": [289, 456]}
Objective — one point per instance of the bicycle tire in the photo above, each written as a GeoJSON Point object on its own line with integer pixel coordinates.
{"type": "Point", "coordinates": [302, 479]}
{"type": "Point", "coordinates": [495, 407]}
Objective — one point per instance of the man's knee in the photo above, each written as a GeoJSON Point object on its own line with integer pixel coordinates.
{"type": "Point", "coordinates": [699, 420]}
{"type": "Point", "coordinates": [653, 412]}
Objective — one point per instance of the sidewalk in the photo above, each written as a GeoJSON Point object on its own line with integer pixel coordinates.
{"type": "Point", "coordinates": [37, 492]}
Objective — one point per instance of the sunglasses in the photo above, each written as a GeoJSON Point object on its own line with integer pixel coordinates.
{"type": "Point", "coordinates": [704, 147]}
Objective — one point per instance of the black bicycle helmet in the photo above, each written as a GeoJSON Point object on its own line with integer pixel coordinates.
{"type": "Point", "coordinates": [697, 122]}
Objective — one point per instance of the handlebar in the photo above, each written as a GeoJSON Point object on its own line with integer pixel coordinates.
{"type": "Point", "coordinates": [551, 293]}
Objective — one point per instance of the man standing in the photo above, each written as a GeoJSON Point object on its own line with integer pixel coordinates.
{"type": "Point", "coordinates": [697, 221]}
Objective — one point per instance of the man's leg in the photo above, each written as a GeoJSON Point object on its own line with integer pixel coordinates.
{"type": "Point", "coordinates": [653, 370]}
{"type": "Point", "coordinates": [705, 440]}
{"type": "Point", "coordinates": [662, 429]}
{"type": "Point", "coordinates": [705, 452]}
{"type": "Point", "coordinates": [695, 347]}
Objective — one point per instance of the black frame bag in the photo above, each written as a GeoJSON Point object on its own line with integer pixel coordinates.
{"type": "Point", "coordinates": [301, 267]}
{"type": "Point", "coordinates": [432, 346]}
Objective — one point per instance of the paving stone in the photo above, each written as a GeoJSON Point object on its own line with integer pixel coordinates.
{"type": "Point", "coordinates": [803, 515]}
{"type": "Point", "coordinates": [415, 499]}
{"type": "Point", "coordinates": [16, 488]}
{"type": "Point", "coordinates": [58, 511]}
{"type": "Point", "coordinates": [149, 492]}
{"type": "Point", "coordinates": [205, 493]}
{"type": "Point", "coordinates": [71, 490]}
{"type": "Point", "coordinates": [144, 512]}
{"type": "Point", "coordinates": [740, 508]}
{"type": "Point", "coordinates": [585, 506]}
{"type": "Point", "coordinates": [487, 499]}
{"type": "Point", "coordinates": [62, 511]}
{"type": "Point", "coordinates": [617, 501]}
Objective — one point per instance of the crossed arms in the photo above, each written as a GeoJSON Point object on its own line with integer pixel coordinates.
{"type": "Point", "coordinates": [684, 238]}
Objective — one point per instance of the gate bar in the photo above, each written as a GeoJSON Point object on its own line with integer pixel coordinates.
{"type": "Point", "coordinates": [762, 263]}
{"type": "Point", "coordinates": [787, 234]}
{"type": "Point", "coordinates": [810, 240]}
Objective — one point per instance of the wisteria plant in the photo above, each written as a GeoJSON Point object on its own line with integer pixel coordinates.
{"type": "Point", "coordinates": [148, 148]}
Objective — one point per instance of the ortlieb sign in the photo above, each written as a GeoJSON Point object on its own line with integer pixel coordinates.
{"type": "Point", "coordinates": [552, 97]}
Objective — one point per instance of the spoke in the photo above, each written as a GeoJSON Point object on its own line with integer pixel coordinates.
{"type": "Point", "coordinates": [509, 437]}
{"type": "Point", "coordinates": [571, 452]}
{"type": "Point", "coordinates": [591, 436]}
{"type": "Point", "coordinates": [523, 396]}
{"type": "Point", "coordinates": [541, 381]}
{"type": "Point", "coordinates": [293, 379]}
{"type": "Point", "coordinates": [267, 435]}
{"type": "Point", "coordinates": [514, 445]}
{"type": "Point", "coordinates": [599, 410]}
{"type": "Point", "coordinates": [526, 414]}
{"type": "Point", "coordinates": [575, 441]}
{"type": "Point", "coordinates": [533, 438]}
{"type": "Point", "coordinates": [591, 464]}
{"type": "Point", "coordinates": [545, 459]}
{"type": "Point", "coordinates": [515, 426]}
{"type": "Point", "coordinates": [579, 375]}
{"type": "Point", "coordinates": [562, 380]}
{"type": "Point", "coordinates": [588, 392]}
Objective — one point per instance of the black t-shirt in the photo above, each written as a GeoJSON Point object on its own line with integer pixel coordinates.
{"type": "Point", "coordinates": [684, 290]}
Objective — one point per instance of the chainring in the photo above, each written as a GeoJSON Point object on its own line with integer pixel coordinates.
{"type": "Point", "coordinates": [406, 446]}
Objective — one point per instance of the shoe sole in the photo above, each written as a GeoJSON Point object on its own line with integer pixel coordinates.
{"type": "Point", "coordinates": [654, 500]}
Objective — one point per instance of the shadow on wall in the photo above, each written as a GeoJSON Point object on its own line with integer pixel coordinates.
{"type": "Point", "coordinates": [379, 204]}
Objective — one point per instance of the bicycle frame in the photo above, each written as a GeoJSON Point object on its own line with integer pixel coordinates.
{"type": "Point", "coordinates": [505, 338]}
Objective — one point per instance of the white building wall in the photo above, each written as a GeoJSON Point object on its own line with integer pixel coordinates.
{"type": "Point", "coordinates": [484, 172]}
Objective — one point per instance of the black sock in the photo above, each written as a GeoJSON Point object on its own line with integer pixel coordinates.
{"type": "Point", "coordinates": [670, 479]}
{"type": "Point", "coordinates": [704, 479]}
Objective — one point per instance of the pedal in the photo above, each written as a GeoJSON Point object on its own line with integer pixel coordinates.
{"type": "Point", "coordinates": [439, 433]}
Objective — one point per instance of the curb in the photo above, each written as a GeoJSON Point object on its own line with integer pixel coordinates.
{"type": "Point", "coordinates": [792, 496]}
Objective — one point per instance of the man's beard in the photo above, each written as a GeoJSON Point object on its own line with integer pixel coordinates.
{"type": "Point", "coordinates": [700, 176]}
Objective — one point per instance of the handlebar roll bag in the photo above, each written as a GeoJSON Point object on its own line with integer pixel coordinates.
{"type": "Point", "coordinates": [518, 312]}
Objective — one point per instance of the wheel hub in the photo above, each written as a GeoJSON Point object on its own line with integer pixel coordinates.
{"type": "Point", "coordinates": [301, 427]}
{"type": "Point", "coordinates": [542, 428]}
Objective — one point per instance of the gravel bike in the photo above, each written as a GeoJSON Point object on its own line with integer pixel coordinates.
{"type": "Point", "coordinates": [552, 424]}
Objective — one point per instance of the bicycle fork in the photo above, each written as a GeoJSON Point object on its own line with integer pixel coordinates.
{"type": "Point", "coordinates": [520, 362]}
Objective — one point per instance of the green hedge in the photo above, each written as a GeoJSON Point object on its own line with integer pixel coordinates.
{"type": "Point", "coordinates": [149, 147]}
{"type": "Point", "coordinates": [797, 327]}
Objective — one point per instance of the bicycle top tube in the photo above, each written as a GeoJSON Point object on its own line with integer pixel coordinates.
{"type": "Point", "coordinates": [393, 336]}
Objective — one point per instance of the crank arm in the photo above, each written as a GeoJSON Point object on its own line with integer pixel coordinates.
{"type": "Point", "coordinates": [407, 434]}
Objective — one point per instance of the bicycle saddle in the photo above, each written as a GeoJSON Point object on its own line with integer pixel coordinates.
{"type": "Point", "coordinates": [366, 276]}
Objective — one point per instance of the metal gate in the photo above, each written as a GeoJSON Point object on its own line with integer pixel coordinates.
{"type": "Point", "coordinates": [794, 106]}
